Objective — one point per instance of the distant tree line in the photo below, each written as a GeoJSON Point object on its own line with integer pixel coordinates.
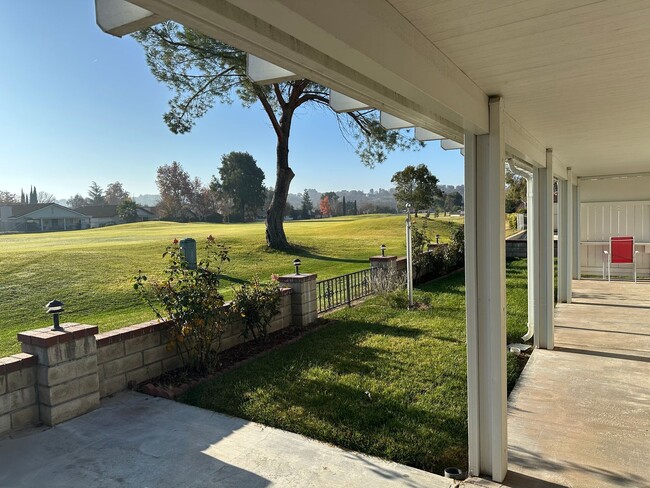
{"type": "Point", "coordinates": [33, 197]}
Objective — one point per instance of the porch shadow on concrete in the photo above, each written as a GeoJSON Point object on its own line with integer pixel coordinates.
{"type": "Point", "coordinates": [138, 441]}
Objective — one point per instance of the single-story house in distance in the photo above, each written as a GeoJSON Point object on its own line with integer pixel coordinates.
{"type": "Point", "coordinates": [41, 217]}
{"type": "Point", "coordinates": [103, 215]}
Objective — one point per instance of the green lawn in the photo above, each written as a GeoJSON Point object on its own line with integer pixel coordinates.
{"type": "Point", "coordinates": [90, 270]}
{"type": "Point", "coordinates": [377, 379]}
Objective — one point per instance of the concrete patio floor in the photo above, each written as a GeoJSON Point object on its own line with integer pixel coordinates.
{"type": "Point", "coordinates": [135, 440]}
{"type": "Point", "coordinates": [580, 414]}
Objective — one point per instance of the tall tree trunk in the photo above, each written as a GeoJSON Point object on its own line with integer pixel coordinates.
{"type": "Point", "coordinates": [275, 236]}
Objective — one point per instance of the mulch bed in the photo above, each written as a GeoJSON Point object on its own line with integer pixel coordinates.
{"type": "Point", "coordinates": [173, 384]}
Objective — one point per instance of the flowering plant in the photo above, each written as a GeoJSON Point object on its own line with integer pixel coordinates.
{"type": "Point", "coordinates": [190, 299]}
{"type": "Point", "coordinates": [256, 304]}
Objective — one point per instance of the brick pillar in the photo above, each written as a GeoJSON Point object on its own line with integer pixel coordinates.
{"type": "Point", "coordinates": [383, 262]}
{"type": "Point", "coordinates": [303, 297]}
{"type": "Point", "coordinates": [67, 380]}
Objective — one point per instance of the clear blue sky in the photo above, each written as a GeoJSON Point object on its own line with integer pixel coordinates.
{"type": "Point", "coordinates": [79, 105]}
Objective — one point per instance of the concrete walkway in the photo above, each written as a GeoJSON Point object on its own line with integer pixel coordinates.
{"type": "Point", "coordinates": [138, 441]}
{"type": "Point", "coordinates": [580, 415]}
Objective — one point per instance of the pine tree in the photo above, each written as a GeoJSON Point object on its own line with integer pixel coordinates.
{"type": "Point", "coordinates": [33, 196]}
{"type": "Point", "coordinates": [354, 208]}
{"type": "Point", "coordinates": [22, 196]}
{"type": "Point", "coordinates": [344, 209]}
{"type": "Point", "coordinates": [307, 207]}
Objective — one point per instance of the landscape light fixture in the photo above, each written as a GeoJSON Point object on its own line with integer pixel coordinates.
{"type": "Point", "coordinates": [55, 307]}
{"type": "Point", "coordinates": [383, 250]}
{"type": "Point", "coordinates": [296, 263]}
{"type": "Point", "coordinates": [437, 238]}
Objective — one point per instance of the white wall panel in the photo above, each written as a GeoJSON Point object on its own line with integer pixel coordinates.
{"type": "Point", "coordinates": [601, 220]}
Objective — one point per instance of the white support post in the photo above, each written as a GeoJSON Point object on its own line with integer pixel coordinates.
{"type": "Point", "coordinates": [485, 298]}
{"type": "Point", "coordinates": [545, 259]}
{"type": "Point", "coordinates": [562, 235]}
{"type": "Point", "coordinates": [570, 242]}
{"type": "Point", "coordinates": [576, 232]}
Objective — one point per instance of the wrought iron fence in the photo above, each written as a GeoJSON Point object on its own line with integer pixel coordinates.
{"type": "Point", "coordinates": [344, 289]}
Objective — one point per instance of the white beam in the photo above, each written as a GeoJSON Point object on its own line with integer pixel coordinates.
{"type": "Point", "coordinates": [544, 335]}
{"type": "Point", "coordinates": [522, 145]}
{"type": "Point", "coordinates": [399, 71]}
{"type": "Point", "coordinates": [119, 18]}
{"type": "Point", "coordinates": [342, 103]}
{"type": "Point", "coordinates": [426, 135]}
{"type": "Point", "coordinates": [262, 72]}
{"type": "Point", "coordinates": [485, 298]}
{"type": "Point", "coordinates": [391, 122]}
{"type": "Point", "coordinates": [449, 145]}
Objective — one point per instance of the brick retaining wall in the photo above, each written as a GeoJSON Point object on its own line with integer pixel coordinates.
{"type": "Point", "coordinates": [18, 401]}
{"type": "Point", "coordinates": [63, 374]}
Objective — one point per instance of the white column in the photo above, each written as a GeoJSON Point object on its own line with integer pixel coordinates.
{"type": "Point", "coordinates": [562, 235]}
{"type": "Point", "coordinates": [576, 232]}
{"type": "Point", "coordinates": [485, 298]}
{"type": "Point", "coordinates": [570, 242]}
{"type": "Point", "coordinates": [545, 261]}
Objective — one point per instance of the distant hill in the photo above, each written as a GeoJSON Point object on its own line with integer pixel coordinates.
{"type": "Point", "coordinates": [147, 200]}
{"type": "Point", "coordinates": [381, 199]}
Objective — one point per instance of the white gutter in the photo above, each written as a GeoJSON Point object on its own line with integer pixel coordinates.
{"type": "Point", "coordinates": [528, 176]}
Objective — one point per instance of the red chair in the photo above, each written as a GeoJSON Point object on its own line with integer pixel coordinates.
{"type": "Point", "coordinates": [621, 251]}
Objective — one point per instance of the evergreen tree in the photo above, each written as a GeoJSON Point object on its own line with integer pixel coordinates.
{"type": "Point", "coordinates": [23, 199]}
{"type": "Point", "coordinates": [415, 186]}
{"type": "Point", "coordinates": [96, 195]}
{"type": "Point", "coordinates": [33, 196]}
{"type": "Point", "coordinates": [241, 182]}
{"type": "Point", "coordinates": [343, 207]}
{"type": "Point", "coordinates": [307, 207]}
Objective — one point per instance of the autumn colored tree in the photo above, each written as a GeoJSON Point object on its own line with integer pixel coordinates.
{"type": "Point", "coordinates": [325, 206]}
{"type": "Point", "coordinates": [175, 190]}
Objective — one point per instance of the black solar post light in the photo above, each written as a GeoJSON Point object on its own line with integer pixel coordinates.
{"type": "Point", "coordinates": [437, 238]}
{"type": "Point", "coordinates": [55, 308]}
{"type": "Point", "coordinates": [296, 263]}
{"type": "Point", "coordinates": [383, 250]}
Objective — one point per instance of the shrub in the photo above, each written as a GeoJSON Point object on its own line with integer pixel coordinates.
{"type": "Point", "coordinates": [385, 281]}
{"type": "Point", "coordinates": [512, 221]}
{"type": "Point", "coordinates": [191, 301]}
{"type": "Point", "coordinates": [256, 304]}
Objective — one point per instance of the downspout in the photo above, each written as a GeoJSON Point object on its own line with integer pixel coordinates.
{"type": "Point", "coordinates": [529, 205]}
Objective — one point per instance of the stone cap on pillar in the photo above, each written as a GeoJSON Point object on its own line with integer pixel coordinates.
{"type": "Point", "coordinates": [297, 278]}
{"type": "Point", "coordinates": [46, 337]}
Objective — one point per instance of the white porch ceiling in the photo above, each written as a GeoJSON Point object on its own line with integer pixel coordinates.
{"type": "Point", "coordinates": [574, 73]}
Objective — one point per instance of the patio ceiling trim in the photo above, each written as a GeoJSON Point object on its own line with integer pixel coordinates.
{"type": "Point", "coordinates": [400, 71]}
{"type": "Point", "coordinates": [302, 37]}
